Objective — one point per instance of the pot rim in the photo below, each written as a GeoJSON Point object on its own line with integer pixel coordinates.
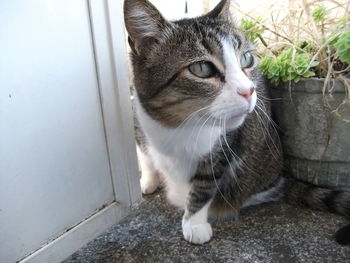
{"type": "Point", "coordinates": [311, 85]}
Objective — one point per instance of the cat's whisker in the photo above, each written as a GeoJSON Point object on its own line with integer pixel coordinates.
{"type": "Point", "coordinates": [174, 165]}
{"type": "Point", "coordinates": [228, 161]}
{"type": "Point", "coordinates": [268, 99]}
{"type": "Point", "coordinates": [265, 131]}
{"type": "Point", "coordinates": [190, 117]}
{"type": "Point", "coordinates": [275, 125]}
{"type": "Point", "coordinates": [266, 128]}
{"type": "Point", "coordinates": [212, 167]}
{"type": "Point", "coordinates": [181, 128]}
{"type": "Point", "coordinates": [198, 123]}
{"type": "Point", "coordinates": [260, 105]}
{"type": "Point", "coordinates": [198, 133]}
{"type": "Point", "coordinates": [193, 114]}
{"type": "Point", "coordinates": [236, 155]}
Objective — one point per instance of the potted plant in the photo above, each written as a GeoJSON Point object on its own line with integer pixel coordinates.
{"type": "Point", "coordinates": [306, 59]}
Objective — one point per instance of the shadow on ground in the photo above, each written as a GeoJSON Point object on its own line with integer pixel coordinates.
{"type": "Point", "coordinates": [270, 233]}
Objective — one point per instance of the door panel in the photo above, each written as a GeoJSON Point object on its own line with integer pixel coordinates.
{"type": "Point", "coordinates": [54, 166]}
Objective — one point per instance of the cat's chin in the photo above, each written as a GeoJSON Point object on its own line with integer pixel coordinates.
{"type": "Point", "coordinates": [234, 122]}
{"type": "Point", "coordinates": [231, 122]}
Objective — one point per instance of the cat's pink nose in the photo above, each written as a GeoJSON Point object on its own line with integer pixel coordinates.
{"type": "Point", "coordinates": [246, 93]}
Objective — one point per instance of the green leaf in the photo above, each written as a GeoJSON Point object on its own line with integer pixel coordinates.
{"type": "Point", "coordinates": [251, 28]}
{"type": "Point", "coordinates": [309, 74]}
{"type": "Point", "coordinates": [319, 14]}
{"type": "Point", "coordinates": [342, 46]}
{"type": "Point", "coordinates": [314, 64]}
{"type": "Point", "coordinates": [296, 79]}
{"type": "Point", "coordinates": [343, 19]}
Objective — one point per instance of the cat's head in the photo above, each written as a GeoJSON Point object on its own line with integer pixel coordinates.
{"type": "Point", "coordinates": [191, 69]}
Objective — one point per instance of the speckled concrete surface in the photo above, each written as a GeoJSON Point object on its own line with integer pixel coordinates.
{"type": "Point", "coordinates": [270, 233]}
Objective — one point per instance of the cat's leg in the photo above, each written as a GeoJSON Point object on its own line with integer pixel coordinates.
{"type": "Point", "coordinates": [149, 175]}
{"type": "Point", "coordinates": [195, 226]}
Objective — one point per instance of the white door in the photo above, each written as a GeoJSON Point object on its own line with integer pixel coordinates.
{"type": "Point", "coordinates": [67, 158]}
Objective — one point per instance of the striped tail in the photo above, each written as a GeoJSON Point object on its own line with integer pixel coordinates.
{"type": "Point", "coordinates": [319, 198]}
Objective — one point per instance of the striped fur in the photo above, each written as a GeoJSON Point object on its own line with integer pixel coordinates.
{"type": "Point", "coordinates": [216, 150]}
{"type": "Point", "coordinates": [324, 199]}
{"type": "Point", "coordinates": [320, 198]}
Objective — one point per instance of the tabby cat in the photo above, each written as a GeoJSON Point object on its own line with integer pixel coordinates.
{"type": "Point", "coordinates": [203, 121]}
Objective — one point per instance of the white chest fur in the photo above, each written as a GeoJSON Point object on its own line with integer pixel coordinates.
{"type": "Point", "coordinates": [176, 152]}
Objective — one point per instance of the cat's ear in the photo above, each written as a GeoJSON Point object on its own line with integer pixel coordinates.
{"type": "Point", "coordinates": [221, 10]}
{"type": "Point", "coordinates": [144, 24]}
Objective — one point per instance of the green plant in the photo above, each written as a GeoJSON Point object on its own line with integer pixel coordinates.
{"type": "Point", "coordinates": [342, 46]}
{"type": "Point", "coordinates": [290, 65]}
{"type": "Point", "coordinates": [253, 29]}
{"type": "Point", "coordinates": [319, 14]}
{"type": "Point", "coordinates": [308, 42]}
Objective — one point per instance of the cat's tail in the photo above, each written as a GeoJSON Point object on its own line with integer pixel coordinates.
{"type": "Point", "coordinates": [319, 198]}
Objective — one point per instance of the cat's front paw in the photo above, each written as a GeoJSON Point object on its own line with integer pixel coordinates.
{"type": "Point", "coordinates": [196, 233]}
{"type": "Point", "coordinates": [149, 183]}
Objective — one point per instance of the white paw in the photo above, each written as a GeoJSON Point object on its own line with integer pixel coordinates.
{"type": "Point", "coordinates": [196, 233]}
{"type": "Point", "coordinates": [149, 184]}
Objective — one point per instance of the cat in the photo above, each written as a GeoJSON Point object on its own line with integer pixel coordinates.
{"type": "Point", "coordinates": [203, 120]}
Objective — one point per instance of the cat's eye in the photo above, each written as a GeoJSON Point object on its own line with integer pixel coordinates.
{"type": "Point", "coordinates": [202, 69]}
{"type": "Point", "coordinates": [247, 60]}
